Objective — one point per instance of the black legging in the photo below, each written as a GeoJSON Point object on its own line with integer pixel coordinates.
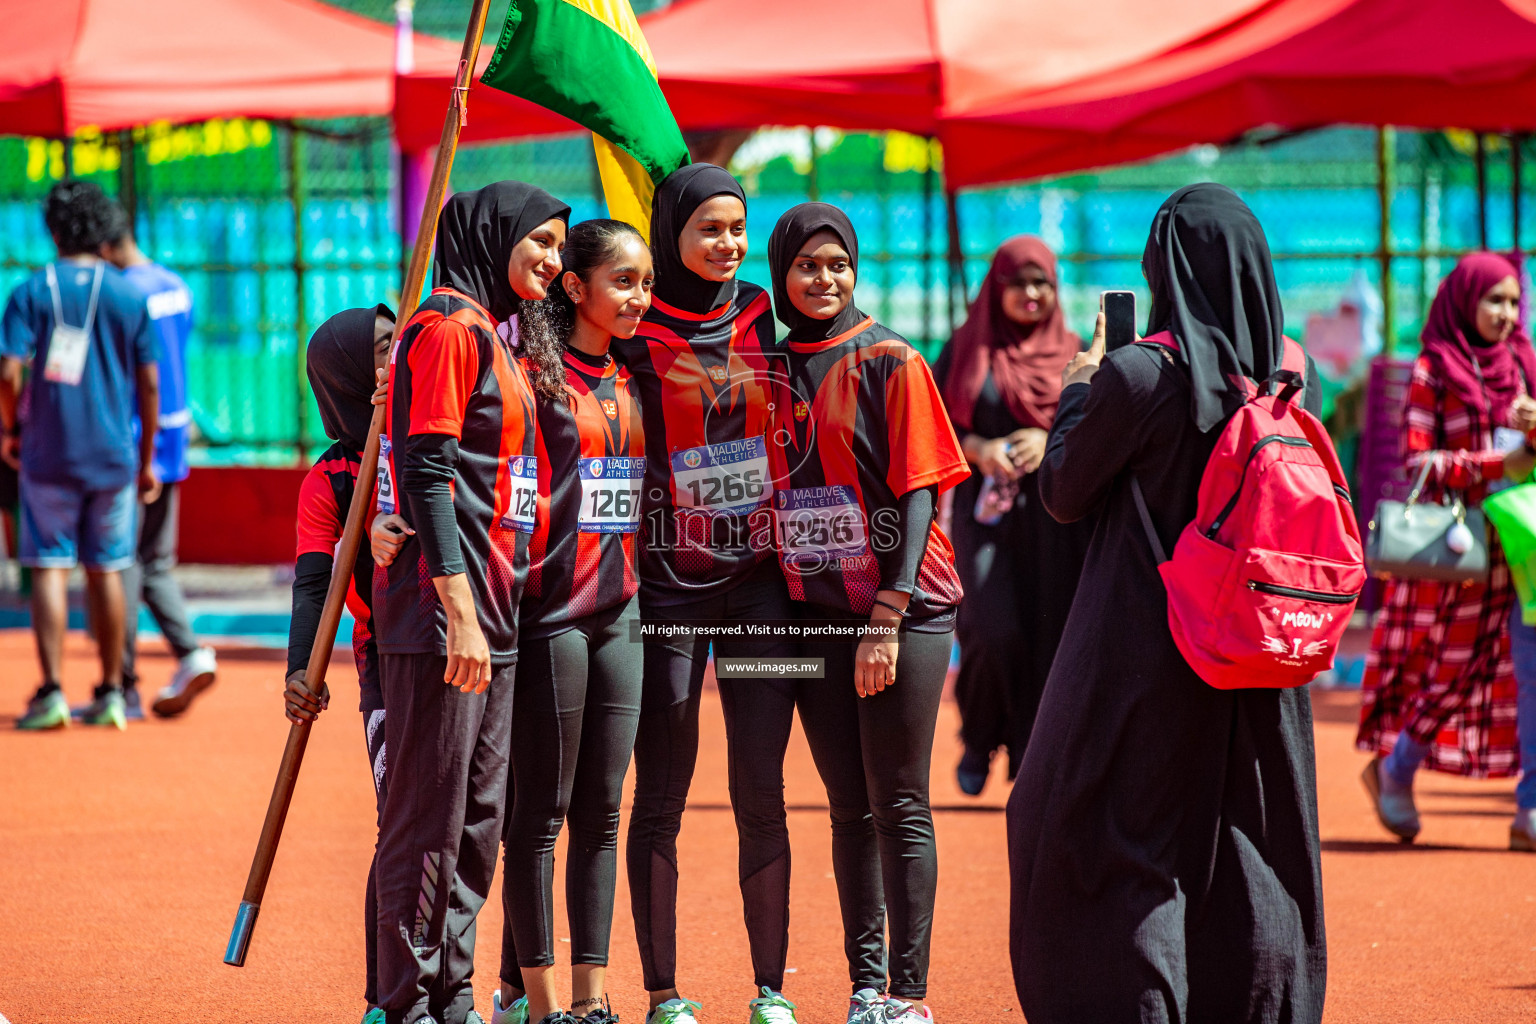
{"type": "Point", "coordinates": [666, 750]}
{"type": "Point", "coordinates": [759, 714]}
{"type": "Point", "coordinates": [373, 737]}
{"type": "Point", "coordinates": [887, 767]}
{"type": "Point", "coordinates": [573, 727]}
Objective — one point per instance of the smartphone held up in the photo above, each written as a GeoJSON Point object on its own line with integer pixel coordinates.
{"type": "Point", "coordinates": [1119, 310]}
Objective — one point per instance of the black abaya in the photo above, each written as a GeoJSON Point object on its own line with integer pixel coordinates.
{"type": "Point", "coordinates": [1019, 576]}
{"type": "Point", "coordinates": [1162, 834]}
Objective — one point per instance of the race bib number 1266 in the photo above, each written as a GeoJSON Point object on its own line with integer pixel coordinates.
{"type": "Point", "coordinates": [731, 477]}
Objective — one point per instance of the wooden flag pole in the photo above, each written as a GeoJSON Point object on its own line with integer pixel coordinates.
{"type": "Point", "coordinates": [357, 512]}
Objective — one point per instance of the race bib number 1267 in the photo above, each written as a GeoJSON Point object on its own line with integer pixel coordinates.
{"type": "Point", "coordinates": [610, 494]}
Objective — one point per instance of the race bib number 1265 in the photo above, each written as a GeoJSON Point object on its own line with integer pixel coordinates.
{"type": "Point", "coordinates": [524, 471]}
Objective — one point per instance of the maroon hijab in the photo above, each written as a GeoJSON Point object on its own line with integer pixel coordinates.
{"type": "Point", "coordinates": [1458, 353]}
{"type": "Point", "coordinates": [1025, 362]}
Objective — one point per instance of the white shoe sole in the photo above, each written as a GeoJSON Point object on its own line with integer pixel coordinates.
{"type": "Point", "coordinates": [175, 704]}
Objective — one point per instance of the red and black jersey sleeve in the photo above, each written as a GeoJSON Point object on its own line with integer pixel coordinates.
{"type": "Point", "coordinates": [591, 470]}
{"type": "Point", "coordinates": [461, 406]}
{"type": "Point", "coordinates": [324, 498]}
{"type": "Point", "coordinates": [704, 383]}
{"type": "Point", "coordinates": [862, 424]}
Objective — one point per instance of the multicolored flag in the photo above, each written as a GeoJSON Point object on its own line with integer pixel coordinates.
{"type": "Point", "coordinates": [589, 61]}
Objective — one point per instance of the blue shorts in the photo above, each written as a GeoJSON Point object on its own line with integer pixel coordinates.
{"type": "Point", "coordinates": [65, 524]}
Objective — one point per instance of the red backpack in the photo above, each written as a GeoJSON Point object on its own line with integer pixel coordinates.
{"type": "Point", "coordinates": [1262, 584]}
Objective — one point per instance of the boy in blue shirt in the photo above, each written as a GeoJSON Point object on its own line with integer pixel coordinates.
{"type": "Point", "coordinates": [150, 580]}
{"type": "Point", "coordinates": [70, 432]}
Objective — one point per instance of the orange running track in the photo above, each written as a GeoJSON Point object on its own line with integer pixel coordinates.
{"type": "Point", "coordinates": [122, 858]}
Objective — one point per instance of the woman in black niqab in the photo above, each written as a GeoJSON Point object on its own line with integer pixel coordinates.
{"type": "Point", "coordinates": [476, 233]}
{"type": "Point", "coordinates": [1162, 834]}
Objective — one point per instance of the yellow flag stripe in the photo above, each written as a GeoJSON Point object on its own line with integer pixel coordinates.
{"type": "Point", "coordinates": [618, 15]}
{"type": "Point", "coordinates": [626, 185]}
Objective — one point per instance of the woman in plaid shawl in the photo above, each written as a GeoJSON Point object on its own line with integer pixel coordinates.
{"type": "Point", "coordinates": [1439, 685]}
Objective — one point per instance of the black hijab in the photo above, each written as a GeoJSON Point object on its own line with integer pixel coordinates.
{"type": "Point", "coordinates": [1213, 287]}
{"type": "Point", "coordinates": [677, 197]}
{"type": "Point", "coordinates": [339, 362]}
{"type": "Point", "coordinates": [789, 234]}
{"type": "Point", "coordinates": [476, 233]}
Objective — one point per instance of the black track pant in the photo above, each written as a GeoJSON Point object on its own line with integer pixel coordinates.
{"type": "Point", "coordinates": [373, 736]}
{"type": "Point", "coordinates": [666, 750]}
{"type": "Point", "coordinates": [759, 714]}
{"type": "Point", "coordinates": [890, 763]}
{"type": "Point", "coordinates": [438, 837]}
{"type": "Point", "coordinates": [151, 582]}
{"type": "Point", "coordinates": [573, 729]}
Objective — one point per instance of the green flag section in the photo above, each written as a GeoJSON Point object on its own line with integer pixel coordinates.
{"type": "Point", "coordinates": [589, 61]}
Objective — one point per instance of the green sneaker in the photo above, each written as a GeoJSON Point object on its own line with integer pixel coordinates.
{"type": "Point", "coordinates": [771, 1008]}
{"type": "Point", "coordinates": [517, 1013]}
{"type": "Point", "coordinates": [108, 708]}
{"type": "Point", "coordinates": [674, 1011]}
{"type": "Point", "coordinates": [374, 1016]}
{"type": "Point", "coordinates": [46, 710]}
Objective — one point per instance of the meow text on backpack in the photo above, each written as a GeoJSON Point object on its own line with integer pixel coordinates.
{"type": "Point", "coordinates": [1262, 584]}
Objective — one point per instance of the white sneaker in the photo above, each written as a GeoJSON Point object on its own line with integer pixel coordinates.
{"type": "Point", "coordinates": [866, 1007]}
{"type": "Point", "coordinates": [194, 675]}
{"type": "Point", "coordinates": [900, 1012]}
{"type": "Point", "coordinates": [770, 1008]}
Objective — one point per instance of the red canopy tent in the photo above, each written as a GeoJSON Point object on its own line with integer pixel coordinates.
{"type": "Point", "coordinates": [118, 63]}
{"type": "Point", "coordinates": [860, 65]}
{"type": "Point", "coordinates": [727, 64]}
{"type": "Point", "coordinates": [1291, 64]}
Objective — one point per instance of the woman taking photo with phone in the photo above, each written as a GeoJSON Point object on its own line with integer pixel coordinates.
{"type": "Point", "coordinates": [1439, 650]}
{"type": "Point", "coordinates": [863, 449]}
{"type": "Point", "coordinates": [1162, 833]}
{"type": "Point", "coordinates": [701, 364]}
{"type": "Point", "coordinates": [1000, 375]}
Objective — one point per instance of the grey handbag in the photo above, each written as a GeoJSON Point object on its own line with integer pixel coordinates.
{"type": "Point", "coordinates": [1408, 539]}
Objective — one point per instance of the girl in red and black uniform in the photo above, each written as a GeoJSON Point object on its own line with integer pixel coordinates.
{"type": "Point", "coordinates": [460, 417]}
{"type": "Point", "coordinates": [342, 358]}
{"type": "Point", "coordinates": [866, 449]}
{"type": "Point", "coordinates": [578, 683]}
{"type": "Point", "coordinates": [701, 362]}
